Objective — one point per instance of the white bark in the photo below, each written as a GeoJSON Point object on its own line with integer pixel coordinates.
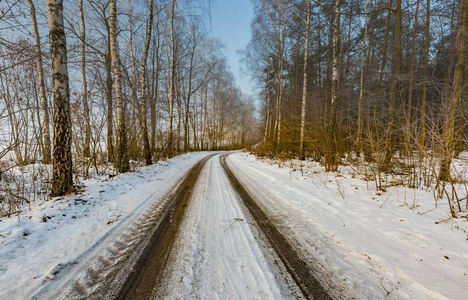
{"type": "Point", "coordinates": [46, 157]}
{"type": "Point", "coordinates": [62, 180]}
{"type": "Point", "coordinates": [144, 126]}
{"type": "Point", "coordinates": [304, 83]}
{"type": "Point", "coordinates": [122, 163]}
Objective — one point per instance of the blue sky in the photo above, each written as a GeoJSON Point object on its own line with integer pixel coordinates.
{"type": "Point", "coordinates": [231, 23]}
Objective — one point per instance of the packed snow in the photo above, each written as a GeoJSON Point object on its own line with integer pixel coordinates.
{"type": "Point", "coordinates": [220, 254]}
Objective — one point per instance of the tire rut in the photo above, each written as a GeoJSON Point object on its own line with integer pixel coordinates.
{"type": "Point", "coordinates": [296, 267]}
{"type": "Point", "coordinates": [147, 273]}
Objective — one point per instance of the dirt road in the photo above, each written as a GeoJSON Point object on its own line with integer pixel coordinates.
{"type": "Point", "coordinates": [215, 242]}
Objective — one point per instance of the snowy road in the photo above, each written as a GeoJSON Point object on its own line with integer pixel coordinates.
{"type": "Point", "coordinates": [219, 253]}
{"type": "Point", "coordinates": [86, 246]}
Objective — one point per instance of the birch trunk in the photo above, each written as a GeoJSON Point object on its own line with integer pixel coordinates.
{"type": "Point", "coordinates": [383, 66]}
{"type": "Point", "coordinates": [304, 83]}
{"type": "Point", "coordinates": [121, 163]}
{"type": "Point", "coordinates": [110, 105]}
{"type": "Point", "coordinates": [333, 158]}
{"type": "Point", "coordinates": [46, 156]}
{"type": "Point", "coordinates": [144, 125]}
{"type": "Point", "coordinates": [171, 84]}
{"type": "Point", "coordinates": [62, 179]}
{"type": "Point", "coordinates": [187, 103]}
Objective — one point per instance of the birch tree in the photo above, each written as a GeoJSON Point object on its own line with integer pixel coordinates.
{"type": "Point", "coordinates": [143, 100]}
{"type": "Point", "coordinates": [121, 163]}
{"type": "Point", "coordinates": [172, 82]}
{"type": "Point", "coordinates": [331, 159]}
{"type": "Point", "coordinates": [304, 84]}
{"type": "Point", "coordinates": [46, 151]}
{"type": "Point", "coordinates": [62, 180]}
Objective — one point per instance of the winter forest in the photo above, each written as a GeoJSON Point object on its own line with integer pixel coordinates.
{"type": "Point", "coordinates": [362, 94]}
{"type": "Point", "coordinates": [134, 80]}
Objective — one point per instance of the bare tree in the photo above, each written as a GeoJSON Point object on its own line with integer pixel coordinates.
{"type": "Point", "coordinates": [390, 141]}
{"type": "Point", "coordinates": [332, 158]}
{"type": "Point", "coordinates": [121, 162]}
{"type": "Point", "coordinates": [84, 86]}
{"type": "Point", "coordinates": [143, 100]}
{"type": "Point", "coordinates": [62, 180]}
{"type": "Point", "coordinates": [453, 100]}
{"type": "Point", "coordinates": [409, 109]}
{"type": "Point", "coordinates": [362, 90]}
{"type": "Point", "coordinates": [172, 82]}
{"type": "Point", "coordinates": [425, 74]}
{"type": "Point", "coordinates": [304, 84]}
{"type": "Point", "coordinates": [46, 151]}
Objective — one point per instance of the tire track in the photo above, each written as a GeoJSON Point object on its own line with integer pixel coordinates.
{"type": "Point", "coordinates": [220, 252]}
{"type": "Point", "coordinates": [99, 272]}
{"type": "Point", "coordinates": [148, 270]}
{"type": "Point", "coordinates": [296, 267]}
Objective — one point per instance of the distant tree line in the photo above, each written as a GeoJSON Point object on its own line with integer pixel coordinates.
{"type": "Point", "coordinates": [88, 82]}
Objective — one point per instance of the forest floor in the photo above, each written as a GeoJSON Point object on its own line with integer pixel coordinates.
{"type": "Point", "coordinates": [357, 241]}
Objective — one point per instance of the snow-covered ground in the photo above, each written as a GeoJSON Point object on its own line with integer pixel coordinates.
{"type": "Point", "coordinates": [40, 245]}
{"type": "Point", "coordinates": [219, 252]}
{"type": "Point", "coordinates": [368, 243]}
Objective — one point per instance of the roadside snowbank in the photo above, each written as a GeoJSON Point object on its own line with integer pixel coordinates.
{"type": "Point", "coordinates": [370, 244]}
{"type": "Point", "coordinates": [38, 244]}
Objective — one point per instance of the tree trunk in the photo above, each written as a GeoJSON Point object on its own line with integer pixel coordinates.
{"type": "Point", "coordinates": [144, 126]}
{"type": "Point", "coordinates": [62, 179]}
{"type": "Point", "coordinates": [121, 163]}
{"type": "Point", "coordinates": [361, 85]}
{"type": "Point", "coordinates": [304, 83]}
{"type": "Point", "coordinates": [449, 126]}
{"type": "Point", "coordinates": [135, 109]}
{"type": "Point", "coordinates": [425, 74]}
{"type": "Point", "coordinates": [409, 116]}
{"type": "Point", "coordinates": [187, 103]}
{"type": "Point", "coordinates": [87, 140]}
{"type": "Point", "coordinates": [110, 105]}
{"type": "Point", "coordinates": [154, 96]}
{"type": "Point", "coordinates": [170, 142]}
{"type": "Point", "coordinates": [384, 60]}
{"type": "Point", "coordinates": [332, 157]}
{"type": "Point", "coordinates": [392, 127]}
{"type": "Point", "coordinates": [46, 157]}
